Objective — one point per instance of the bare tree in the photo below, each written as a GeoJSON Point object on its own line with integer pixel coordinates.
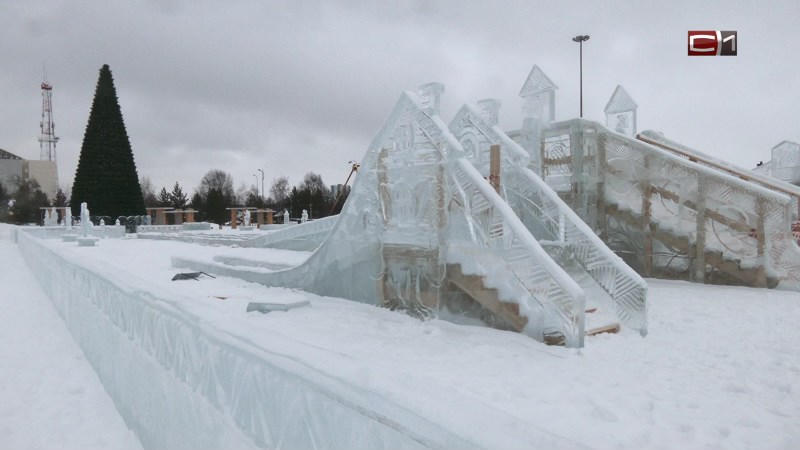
{"type": "Point", "coordinates": [220, 181]}
{"type": "Point", "coordinates": [148, 192]}
{"type": "Point", "coordinates": [280, 190]}
{"type": "Point", "coordinates": [312, 182]}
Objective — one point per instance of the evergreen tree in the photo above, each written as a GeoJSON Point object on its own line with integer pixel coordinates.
{"type": "Point", "coordinates": [28, 199]}
{"type": "Point", "coordinates": [3, 203]}
{"type": "Point", "coordinates": [215, 207]}
{"type": "Point", "coordinates": [178, 199]}
{"type": "Point", "coordinates": [198, 204]}
{"type": "Point", "coordinates": [164, 199]}
{"type": "Point", "coordinates": [106, 178]}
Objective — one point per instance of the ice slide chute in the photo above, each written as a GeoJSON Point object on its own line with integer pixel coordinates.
{"type": "Point", "coordinates": [305, 236]}
{"type": "Point", "coordinates": [669, 216]}
{"type": "Point", "coordinates": [418, 207]}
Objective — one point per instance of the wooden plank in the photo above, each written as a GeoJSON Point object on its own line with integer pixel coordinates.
{"type": "Point", "coordinates": [494, 167]}
{"type": "Point", "coordinates": [610, 328]}
{"type": "Point", "coordinates": [473, 286]}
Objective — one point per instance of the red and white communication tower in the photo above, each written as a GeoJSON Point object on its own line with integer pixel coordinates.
{"type": "Point", "coordinates": [48, 139]}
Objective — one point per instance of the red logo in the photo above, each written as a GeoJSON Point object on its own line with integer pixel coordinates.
{"type": "Point", "coordinates": [712, 43]}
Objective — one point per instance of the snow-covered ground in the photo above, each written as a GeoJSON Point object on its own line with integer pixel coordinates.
{"type": "Point", "coordinates": [49, 395]}
{"type": "Point", "coordinates": [719, 368]}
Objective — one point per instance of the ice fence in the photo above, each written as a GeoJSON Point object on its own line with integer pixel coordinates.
{"type": "Point", "coordinates": [179, 382]}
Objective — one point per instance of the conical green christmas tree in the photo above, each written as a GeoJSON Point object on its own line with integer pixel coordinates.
{"type": "Point", "coordinates": [106, 178]}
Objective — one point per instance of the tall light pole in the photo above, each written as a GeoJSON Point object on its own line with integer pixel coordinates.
{"type": "Point", "coordinates": [256, 182]}
{"type": "Point", "coordinates": [262, 184]}
{"type": "Point", "coordinates": [580, 40]}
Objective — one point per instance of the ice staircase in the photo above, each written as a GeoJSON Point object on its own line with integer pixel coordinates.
{"type": "Point", "coordinates": [615, 293]}
{"type": "Point", "coordinates": [671, 212]}
{"type": "Point", "coordinates": [419, 213]}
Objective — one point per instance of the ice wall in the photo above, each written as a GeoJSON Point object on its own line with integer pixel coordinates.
{"type": "Point", "coordinates": [179, 382]}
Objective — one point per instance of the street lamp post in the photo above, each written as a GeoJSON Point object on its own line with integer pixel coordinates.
{"type": "Point", "coordinates": [580, 40]}
{"type": "Point", "coordinates": [262, 184]}
{"type": "Point", "coordinates": [256, 182]}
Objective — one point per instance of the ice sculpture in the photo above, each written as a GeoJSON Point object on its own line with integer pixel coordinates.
{"type": "Point", "coordinates": [421, 220]}
{"type": "Point", "coordinates": [247, 218]}
{"type": "Point", "coordinates": [621, 112]}
{"type": "Point", "coordinates": [286, 216]}
{"type": "Point", "coordinates": [85, 240]}
{"type": "Point", "coordinates": [304, 217]}
{"type": "Point", "coordinates": [51, 217]}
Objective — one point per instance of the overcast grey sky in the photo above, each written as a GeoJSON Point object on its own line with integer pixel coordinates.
{"type": "Point", "coordinates": [301, 86]}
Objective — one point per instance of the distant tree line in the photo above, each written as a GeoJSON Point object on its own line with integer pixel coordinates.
{"type": "Point", "coordinates": [216, 193]}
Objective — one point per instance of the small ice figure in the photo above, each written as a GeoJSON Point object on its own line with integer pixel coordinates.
{"type": "Point", "coordinates": [117, 222]}
{"type": "Point", "coordinates": [285, 216]}
{"type": "Point", "coordinates": [304, 217]}
{"type": "Point", "coordinates": [84, 220]}
{"type": "Point", "coordinates": [50, 217]}
{"type": "Point", "coordinates": [102, 223]}
{"type": "Point", "coordinates": [247, 218]}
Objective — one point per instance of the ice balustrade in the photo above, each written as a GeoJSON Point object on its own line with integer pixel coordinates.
{"type": "Point", "coordinates": [390, 243]}
{"type": "Point", "coordinates": [546, 216]}
{"type": "Point", "coordinates": [670, 216]}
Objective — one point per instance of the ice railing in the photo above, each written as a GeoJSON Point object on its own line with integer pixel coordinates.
{"type": "Point", "coordinates": [316, 228]}
{"type": "Point", "coordinates": [495, 230]}
{"type": "Point", "coordinates": [709, 210]}
{"type": "Point", "coordinates": [774, 183]}
{"type": "Point", "coordinates": [628, 291]}
{"type": "Point", "coordinates": [554, 220]}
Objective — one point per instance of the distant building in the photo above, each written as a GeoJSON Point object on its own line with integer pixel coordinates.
{"type": "Point", "coordinates": [337, 189]}
{"type": "Point", "coordinates": [14, 168]}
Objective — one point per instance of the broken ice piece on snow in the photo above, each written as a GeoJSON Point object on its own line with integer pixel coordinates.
{"type": "Point", "coordinates": [269, 307]}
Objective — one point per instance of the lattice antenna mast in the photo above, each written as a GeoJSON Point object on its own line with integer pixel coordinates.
{"type": "Point", "coordinates": [48, 139]}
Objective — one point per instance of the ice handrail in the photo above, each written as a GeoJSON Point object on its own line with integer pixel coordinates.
{"type": "Point", "coordinates": [571, 307]}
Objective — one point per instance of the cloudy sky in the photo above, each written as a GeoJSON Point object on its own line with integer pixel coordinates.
{"type": "Point", "coordinates": [301, 86]}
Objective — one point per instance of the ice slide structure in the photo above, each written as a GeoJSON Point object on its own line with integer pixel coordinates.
{"type": "Point", "coordinates": [673, 212]}
{"type": "Point", "coordinates": [423, 231]}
